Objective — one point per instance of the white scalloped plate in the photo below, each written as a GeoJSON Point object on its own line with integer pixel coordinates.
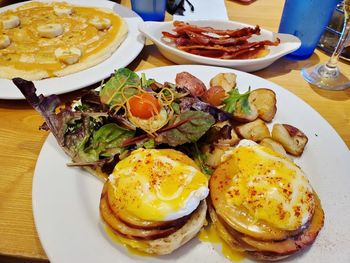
{"type": "Point", "coordinates": [124, 55]}
{"type": "Point", "coordinates": [66, 199]}
{"type": "Point", "coordinates": [153, 31]}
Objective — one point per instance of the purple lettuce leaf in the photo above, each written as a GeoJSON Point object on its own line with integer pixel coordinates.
{"type": "Point", "coordinates": [44, 105]}
{"type": "Point", "coordinates": [188, 103]}
{"type": "Point", "coordinates": [187, 127]}
{"type": "Point", "coordinates": [74, 130]}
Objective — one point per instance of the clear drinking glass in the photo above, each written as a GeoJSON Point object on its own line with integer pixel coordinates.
{"type": "Point", "coordinates": [328, 75]}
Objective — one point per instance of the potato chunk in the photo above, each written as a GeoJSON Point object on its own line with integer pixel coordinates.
{"type": "Point", "coordinates": [292, 139]}
{"type": "Point", "coordinates": [262, 104]}
{"type": "Point", "coordinates": [272, 144]}
{"type": "Point", "coordinates": [222, 133]}
{"type": "Point", "coordinates": [226, 80]}
{"type": "Point", "coordinates": [255, 130]}
{"type": "Point", "coordinates": [264, 101]}
{"type": "Point", "coordinates": [214, 154]}
{"type": "Point", "coordinates": [242, 116]}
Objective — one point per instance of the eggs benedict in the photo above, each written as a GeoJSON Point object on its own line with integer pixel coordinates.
{"type": "Point", "coordinates": [261, 203]}
{"type": "Point", "coordinates": [154, 200]}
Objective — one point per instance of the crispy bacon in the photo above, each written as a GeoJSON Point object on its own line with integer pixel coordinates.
{"type": "Point", "coordinates": [181, 27]}
{"type": "Point", "coordinates": [217, 43]}
{"type": "Point", "coordinates": [233, 48]}
{"type": "Point", "coordinates": [209, 40]}
{"type": "Point", "coordinates": [169, 35]}
{"type": "Point", "coordinates": [207, 53]}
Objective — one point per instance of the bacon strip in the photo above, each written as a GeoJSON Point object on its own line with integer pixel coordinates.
{"type": "Point", "coordinates": [217, 43]}
{"type": "Point", "coordinates": [233, 48]}
{"type": "Point", "coordinates": [181, 27]}
{"type": "Point", "coordinates": [208, 40]}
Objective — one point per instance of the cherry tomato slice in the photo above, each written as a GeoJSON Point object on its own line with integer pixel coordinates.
{"type": "Point", "coordinates": [144, 105]}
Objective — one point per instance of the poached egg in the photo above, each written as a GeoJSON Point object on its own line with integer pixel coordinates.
{"type": "Point", "coordinates": [158, 185]}
{"type": "Point", "coordinates": [266, 185]}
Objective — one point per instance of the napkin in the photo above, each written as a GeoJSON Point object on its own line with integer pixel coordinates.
{"type": "Point", "coordinates": [203, 9]}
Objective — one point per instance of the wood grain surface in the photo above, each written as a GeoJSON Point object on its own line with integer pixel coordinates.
{"type": "Point", "coordinates": [21, 140]}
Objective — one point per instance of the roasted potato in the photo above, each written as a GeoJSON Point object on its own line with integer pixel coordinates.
{"type": "Point", "coordinates": [264, 101]}
{"type": "Point", "coordinates": [226, 80]}
{"type": "Point", "coordinates": [272, 144]}
{"type": "Point", "coordinates": [255, 130]}
{"type": "Point", "coordinates": [222, 133]}
{"type": "Point", "coordinates": [240, 115]}
{"type": "Point", "coordinates": [292, 139]}
{"type": "Point", "coordinates": [214, 154]}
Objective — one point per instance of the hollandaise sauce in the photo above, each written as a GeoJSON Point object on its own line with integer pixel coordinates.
{"type": "Point", "coordinates": [121, 241]}
{"type": "Point", "coordinates": [209, 234]}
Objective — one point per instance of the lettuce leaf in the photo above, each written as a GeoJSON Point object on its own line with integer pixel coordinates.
{"type": "Point", "coordinates": [123, 81]}
{"type": "Point", "coordinates": [84, 136]}
{"type": "Point", "coordinates": [188, 103]}
{"type": "Point", "coordinates": [186, 127]}
{"type": "Point", "coordinates": [45, 106]}
{"type": "Point", "coordinates": [107, 141]}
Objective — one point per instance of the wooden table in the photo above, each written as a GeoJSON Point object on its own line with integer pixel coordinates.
{"type": "Point", "coordinates": [20, 139]}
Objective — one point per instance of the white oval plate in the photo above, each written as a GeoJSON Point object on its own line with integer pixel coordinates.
{"type": "Point", "coordinates": [66, 200]}
{"type": "Point", "coordinates": [153, 30]}
{"type": "Point", "coordinates": [124, 55]}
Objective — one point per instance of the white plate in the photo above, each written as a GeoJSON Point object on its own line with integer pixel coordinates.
{"type": "Point", "coordinates": [153, 30]}
{"type": "Point", "coordinates": [124, 54]}
{"type": "Point", "coordinates": [66, 200]}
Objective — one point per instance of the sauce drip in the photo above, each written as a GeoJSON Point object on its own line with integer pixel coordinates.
{"type": "Point", "coordinates": [209, 234]}
{"type": "Point", "coordinates": [119, 240]}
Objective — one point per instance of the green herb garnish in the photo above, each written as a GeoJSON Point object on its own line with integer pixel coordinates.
{"type": "Point", "coordinates": [234, 98]}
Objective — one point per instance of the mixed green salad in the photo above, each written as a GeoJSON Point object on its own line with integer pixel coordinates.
{"type": "Point", "coordinates": [130, 111]}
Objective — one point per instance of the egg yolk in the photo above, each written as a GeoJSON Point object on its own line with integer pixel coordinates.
{"type": "Point", "coordinates": [152, 184]}
{"type": "Point", "coordinates": [270, 187]}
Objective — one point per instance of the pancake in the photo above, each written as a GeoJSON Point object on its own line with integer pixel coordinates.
{"type": "Point", "coordinates": [54, 39]}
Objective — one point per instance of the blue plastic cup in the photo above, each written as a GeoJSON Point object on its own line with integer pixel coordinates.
{"type": "Point", "coordinates": [149, 10]}
{"type": "Point", "coordinates": [307, 20]}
